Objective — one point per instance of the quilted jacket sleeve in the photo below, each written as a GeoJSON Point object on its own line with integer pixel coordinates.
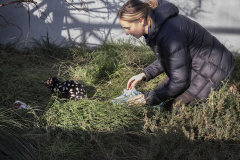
{"type": "Point", "coordinates": [153, 70]}
{"type": "Point", "coordinates": [174, 48]}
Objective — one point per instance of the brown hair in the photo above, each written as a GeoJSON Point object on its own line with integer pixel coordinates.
{"type": "Point", "coordinates": [133, 10]}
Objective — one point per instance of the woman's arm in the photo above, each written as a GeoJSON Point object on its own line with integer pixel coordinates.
{"type": "Point", "coordinates": [177, 61]}
{"type": "Point", "coordinates": [153, 70]}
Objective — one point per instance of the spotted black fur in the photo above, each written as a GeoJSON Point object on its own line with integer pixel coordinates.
{"type": "Point", "coordinates": [69, 89]}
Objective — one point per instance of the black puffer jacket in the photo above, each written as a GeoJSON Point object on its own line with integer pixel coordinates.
{"type": "Point", "coordinates": [193, 59]}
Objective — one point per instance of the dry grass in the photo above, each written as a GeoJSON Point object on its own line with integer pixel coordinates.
{"type": "Point", "coordinates": [94, 128]}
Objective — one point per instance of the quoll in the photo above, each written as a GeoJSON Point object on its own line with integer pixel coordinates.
{"type": "Point", "coordinates": [68, 89]}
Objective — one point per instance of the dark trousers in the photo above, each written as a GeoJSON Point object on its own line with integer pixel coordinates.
{"type": "Point", "coordinates": [178, 100]}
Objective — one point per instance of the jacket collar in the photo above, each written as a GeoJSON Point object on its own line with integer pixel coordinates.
{"type": "Point", "coordinates": [164, 11]}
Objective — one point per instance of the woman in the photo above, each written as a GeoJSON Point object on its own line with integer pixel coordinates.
{"type": "Point", "coordinates": [194, 61]}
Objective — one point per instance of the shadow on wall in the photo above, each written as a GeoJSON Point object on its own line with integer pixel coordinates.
{"type": "Point", "coordinates": [63, 21]}
{"type": "Point", "coordinates": [232, 31]}
{"type": "Point", "coordinates": [190, 8]}
{"type": "Point", "coordinates": [194, 8]}
{"type": "Point", "coordinates": [98, 24]}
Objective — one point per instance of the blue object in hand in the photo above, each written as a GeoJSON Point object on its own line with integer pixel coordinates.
{"type": "Point", "coordinates": [128, 94]}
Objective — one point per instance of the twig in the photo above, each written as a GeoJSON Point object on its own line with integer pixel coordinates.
{"type": "Point", "coordinates": [19, 1]}
{"type": "Point", "coordinates": [10, 24]}
{"type": "Point", "coordinates": [83, 7]}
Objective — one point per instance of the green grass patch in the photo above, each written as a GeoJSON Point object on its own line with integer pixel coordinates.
{"type": "Point", "coordinates": [94, 128]}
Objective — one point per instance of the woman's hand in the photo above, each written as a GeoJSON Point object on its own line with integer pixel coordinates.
{"type": "Point", "coordinates": [137, 100]}
{"type": "Point", "coordinates": [134, 80]}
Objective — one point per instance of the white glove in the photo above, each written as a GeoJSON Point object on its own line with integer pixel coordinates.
{"type": "Point", "coordinates": [134, 80]}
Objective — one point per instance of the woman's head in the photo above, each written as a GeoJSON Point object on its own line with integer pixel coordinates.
{"type": "Point", "coordinates": [135, 10]}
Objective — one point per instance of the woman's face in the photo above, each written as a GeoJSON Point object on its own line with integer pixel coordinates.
{"type": "Point", "coordinates": [136, 29]}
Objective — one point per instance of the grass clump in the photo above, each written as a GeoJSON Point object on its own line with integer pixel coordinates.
{"type": "Point", "coordinates": [94, 128]}
{"type": "Point", "coordinates": [13, 144]}
{"type": "Point", "coordinates": [101, 116]}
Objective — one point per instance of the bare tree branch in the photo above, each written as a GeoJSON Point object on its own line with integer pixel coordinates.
{"type": "Point", "coordinates": [11, 24]}
{"type": "Point", "coordinates": [18, 1]}
{"type": "Point", "coordinates": [82, 4]}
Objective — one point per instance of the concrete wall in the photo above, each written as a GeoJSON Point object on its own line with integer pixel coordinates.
{"type": "Point", "coordinates": [219, 17]}
{"type": "Point", "coordinates": [100, 22]}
